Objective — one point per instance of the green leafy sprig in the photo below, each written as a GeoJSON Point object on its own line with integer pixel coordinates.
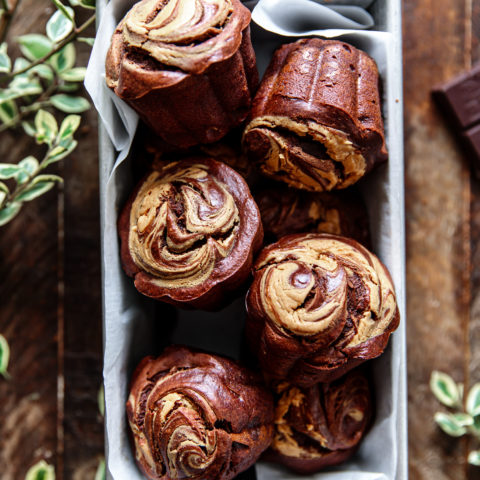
{"type": "Point", "coordinates": [27, 174]}
{"type": "Point", "coordinates": [464, 417]}
{"type": "Point", "coordinates": [46, 75]}
{"type": "Point", "coordinates": [44, 78]}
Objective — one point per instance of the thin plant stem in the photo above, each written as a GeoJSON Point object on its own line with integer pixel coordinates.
{"type": "Point", "coordinates": [57, 48]}
{"type": "Point", "coordinates": [7, 17]}
{"type": "Point", "coordinates": [62, 8]}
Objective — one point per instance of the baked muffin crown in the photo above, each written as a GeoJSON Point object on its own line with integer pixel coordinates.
{"type": "Point", "coordinates": [196, 415]}
{"type": "Point", "coordinates": [316, 121]}
{"type": "Point", "coordinates": [318, 306]}
{"type": "Point", "coordinates": [322, 425]}
{"type": "Point", "coordinates": [189, 231]}
{"type": "Point", "coordinates": [186, 66]}
{"type": "Point", "coordinates": [180, 36]}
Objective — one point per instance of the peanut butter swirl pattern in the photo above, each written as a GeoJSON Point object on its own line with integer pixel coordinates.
{"type": "Point", "coordinates": [184, 235]}
{"type": "Point", "coordinates": [182, 222]}
{"type": "Point", "coordinates": [316, 122]}
{"type": "Point", "coordinates": [197, 416]}
{"type": "Point", "coordinates": [319, 305]}
{"type": "Point", "coordinates": [181, 33]}
{"type": "Point", "coordinates": [322, 425]}
{"type": "Point", "coordinates": [186, 66]}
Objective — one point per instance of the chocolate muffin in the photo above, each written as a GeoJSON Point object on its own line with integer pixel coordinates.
{"type": "Point", "coordinates": [320, 426]}
{"type": "Point", "coordinates": [189, 232]}
{"type": "Point", "coordinates": [197, 416]}
{"type": "Point", "coordinates": [186, 66]}
{"type": "Point", "coordinates": [319, 305]}
{"type": "Point", "coordinates": [316, 121]}
{"type": "Point", "coordinates": [286, 210]}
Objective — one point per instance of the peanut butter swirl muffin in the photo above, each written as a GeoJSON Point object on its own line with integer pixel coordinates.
{"type": "Point", "coordinates": [188, 233]}
{"type": "Point", "coordinates": [316, 122]}
{"type": "Point", "coordinates": [319, 305]}
{"type": "Point", "coordinates": [186, 66]}
{"type": "Point", "coordinates": [320, 426]}
{"type": "Point", "coordinates": [197, 416]}
{"type": "Point", "coordinates": [286, 210]}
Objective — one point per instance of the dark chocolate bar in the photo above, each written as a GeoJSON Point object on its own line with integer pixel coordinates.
{"type": "Point", "coordinates": [460, 100]}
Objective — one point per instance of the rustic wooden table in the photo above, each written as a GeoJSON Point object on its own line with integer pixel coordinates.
{"type": "Point", "coordinates": [50, 296]}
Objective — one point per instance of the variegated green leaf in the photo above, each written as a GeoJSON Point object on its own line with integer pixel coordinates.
{"type": "Point", "coordinates": [8, 111]}
{"type": "Point", "coordinates": [4, 356]}
{"type": "Point", "coordinates": [9, 170]}
{"type": "Point", "coordinates": [34, 46]}
{"type": "Point", "coordinates": [69, 126]}
{"type": "Point", "coordinates": [30, 164]}
{"type": "Point", "coordinates": [101, 471]}
{"type": "Point", "coordinates": [41, 471]}
{"type": "Point", "coordinates": [474, 458]}
{"type": "Point", "coordinates": [74, 75]}
{"type": "Point", "coordinates": [449, 424]}
{"type": "Point", "coordinates": [59, 25]}
{"type": "Point", "coordinates": [43, 71]}
{"type": "Point", "coordinates": [9, 212]}
{"type": "Point", "coordinates": [473, 400]}
{"type": "Point", "coordinates": [65, 59]}
{"type": "Point", "coordinates": [463, 419]}
{"type": "Point", "coordinates": [69, 87]}
{"type": "Point", "coordinates": [59, 153]}
{"type": "Point", "coordinates": [4, 188]}
{"type": "Point", "coordinates": [5, 62]}
{"type": "Point", "coordinates": [46, 127]}
{"type": "Point", "coordinates": [47, 178]}
{"type": "Point", "coordinates": [445, 389]}
{"type": "Point", "coordinates": [29, 129]}
{"type": "Point", "coordinates": [70, 104]}
{"type": "Point", "coordinates": [34, 191]}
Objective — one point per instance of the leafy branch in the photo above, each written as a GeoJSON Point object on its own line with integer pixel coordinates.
{"type": "Point", "coordinates": [45, 77]}
{"type": "Point", "coordinates": [30, 183]}
{"type": "Point", "coordinates": [464, 419]}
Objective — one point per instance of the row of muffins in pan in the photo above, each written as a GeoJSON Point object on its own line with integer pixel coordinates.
{"type": "Point", "coordinates": [198, 230]}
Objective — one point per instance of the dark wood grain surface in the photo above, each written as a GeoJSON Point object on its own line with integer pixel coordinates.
{"type": "Point", "coordinates": [50, 296]}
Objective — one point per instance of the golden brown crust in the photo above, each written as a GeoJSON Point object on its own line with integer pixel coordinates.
{"type": "Point", "coordinates": [186, 66]}
{"type": "Point", "coordinates": [189, 232]}
{"type": "Point", "coordinates": [286, 210]}
{"type": "Point", "coordinates": [322, 425]}
{"type": "Point", "coordinates": [318, 306]}
{"type": "Point", "coordinates": [197, 416]}
{"type": "Point", "coordinates": [316, 122]}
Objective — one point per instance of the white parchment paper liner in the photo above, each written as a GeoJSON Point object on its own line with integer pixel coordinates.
{"type": "Point", "coordinates": [130, 324]}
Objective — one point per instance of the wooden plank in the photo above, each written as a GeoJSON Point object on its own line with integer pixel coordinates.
{"type": "Point", "coordinates": [438, 236]}
{"type": "Point", "coordinates": [28, 312]}
{"type": "Point", "coordinates": [81, 316]}
{"type": "Point", "coordinates": [28, 299]}
{"type": "Point", "coordinates": [82, 307]}
{"type": "Point", "coordinates": [51, 308]}
{"type": "Point", "coordinates": [473, 16]}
